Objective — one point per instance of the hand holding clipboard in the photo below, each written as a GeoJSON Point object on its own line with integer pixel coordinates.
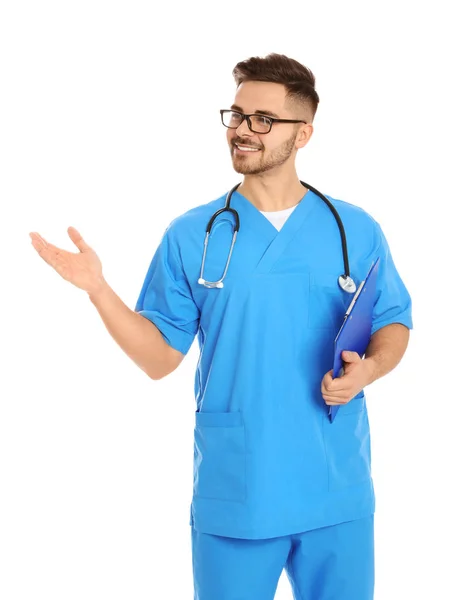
{"type": "Point", "coordinates": [355, 332]}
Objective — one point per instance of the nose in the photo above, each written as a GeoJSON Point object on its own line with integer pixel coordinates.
{"type": "Point", "coordinates": [244, 130]}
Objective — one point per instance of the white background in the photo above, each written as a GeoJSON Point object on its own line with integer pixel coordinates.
{"type": "Point", "coordinates": [110, 123]}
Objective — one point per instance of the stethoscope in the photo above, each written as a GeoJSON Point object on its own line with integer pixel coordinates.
{"type": "Point", "coordinates": [345, 281]}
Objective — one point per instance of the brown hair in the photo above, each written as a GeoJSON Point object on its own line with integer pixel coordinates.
{"type": "Point", "coordinates": [298, 80]}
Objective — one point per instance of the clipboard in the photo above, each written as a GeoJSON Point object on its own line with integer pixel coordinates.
{"type": "Point", "coordinates": [355, 331]}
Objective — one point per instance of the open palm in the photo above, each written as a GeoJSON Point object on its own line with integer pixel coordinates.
{"type": "Point", "coordinates": [83, 269]}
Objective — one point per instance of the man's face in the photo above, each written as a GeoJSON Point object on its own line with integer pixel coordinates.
{"type": "Point", "coordinates": [262, 152]}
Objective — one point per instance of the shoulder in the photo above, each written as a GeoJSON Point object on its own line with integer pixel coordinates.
{"type": "Point", "coordinates": [352, 211]}
{"type": "Point", "coordinates": [364, 233]}
{"type": "Point", "coordinates": [195, 216]}
{"type": "Point", "coordinates": [355, 218]}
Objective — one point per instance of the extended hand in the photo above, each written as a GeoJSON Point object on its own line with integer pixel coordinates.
{"type": "Point", "coordinates": [357, 374]}
{"type": "Point", "coordinates": [83, 269]}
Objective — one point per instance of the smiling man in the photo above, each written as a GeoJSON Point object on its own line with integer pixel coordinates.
{"type": "Point", "coordinates": [276, 484]}
{"type": "Point", "coordinates": [278, 149]}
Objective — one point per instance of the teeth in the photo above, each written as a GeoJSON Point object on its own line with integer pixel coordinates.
{"type": "Point", "coordinates": [247, 149]}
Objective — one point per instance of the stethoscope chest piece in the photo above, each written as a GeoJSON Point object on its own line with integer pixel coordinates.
{"type": "Point", "coordinates": [210, 284]}
{"type": "Point", "coordinates": [347, 284]}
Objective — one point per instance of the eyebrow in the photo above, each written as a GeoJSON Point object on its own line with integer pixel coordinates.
{"type": "Point", "coordinates": [269, 113]}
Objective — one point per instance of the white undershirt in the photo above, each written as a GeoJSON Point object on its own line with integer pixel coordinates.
{"type": "Point", "coordinates": [279, 217]}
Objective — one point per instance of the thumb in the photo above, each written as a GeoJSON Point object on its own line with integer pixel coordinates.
{"type": "Point", "coordinates": [78, 240]}
{"type": "Point", "coordinates": [350, 357]}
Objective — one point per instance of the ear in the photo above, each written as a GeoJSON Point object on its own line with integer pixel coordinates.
{"type": "Point", "coordinates": [304, 135]}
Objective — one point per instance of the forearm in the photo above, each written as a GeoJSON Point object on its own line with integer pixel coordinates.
{"type": "Point", "coordinates": [386, 349]}
{"type": "Point", "coordinates": [140, 339]}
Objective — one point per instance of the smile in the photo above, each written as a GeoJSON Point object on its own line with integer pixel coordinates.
{"type": "Point", "coordinates": [246, 148]}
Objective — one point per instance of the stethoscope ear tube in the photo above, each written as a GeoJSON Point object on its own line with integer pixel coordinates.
{"type": "Point", "coordinates": [345, 280]}
{"type": "Point", "coordinates": [222, 210]}
{"type": "Point", "coordinates": [226, 208]}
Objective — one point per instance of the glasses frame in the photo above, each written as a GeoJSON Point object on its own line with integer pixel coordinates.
{"type": "Point", "coordinates": [248, 120]}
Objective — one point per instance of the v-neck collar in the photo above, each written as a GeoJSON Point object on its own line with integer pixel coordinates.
{"type": "Point", "coordinates": [255, 225]}
{"type": "Point", "coordinates": [258, 222]}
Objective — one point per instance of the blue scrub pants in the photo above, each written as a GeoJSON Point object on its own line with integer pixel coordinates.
{"type": "Point", "coordinates": [330, 563]}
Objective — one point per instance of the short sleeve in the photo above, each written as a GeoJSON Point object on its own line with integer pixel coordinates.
{"type": "Point", "coordinates": [166, 299]}
{"type": "Point", "coordinates": [393, 302]}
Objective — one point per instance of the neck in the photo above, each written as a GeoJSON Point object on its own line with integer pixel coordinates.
{"type": "Point", "coordinates": [272, 193]}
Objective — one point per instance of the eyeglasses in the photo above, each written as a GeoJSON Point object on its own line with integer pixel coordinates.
{"type": "Point", "coordinates": [256, 123]}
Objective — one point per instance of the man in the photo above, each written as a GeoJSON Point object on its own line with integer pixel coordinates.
{"type": "Point", "coordinates": [276, 483]}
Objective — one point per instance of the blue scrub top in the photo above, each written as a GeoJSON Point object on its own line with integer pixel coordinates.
{"type": "Point", "coordinates": [267, 460]}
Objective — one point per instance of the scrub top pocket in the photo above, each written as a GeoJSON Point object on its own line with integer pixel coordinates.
{"type": "Point", "coordinates": [219, 456]}
{"type": "Point", "coordinates": [327, 301]}
{"type": "Point", "coordinates": [347, 445]}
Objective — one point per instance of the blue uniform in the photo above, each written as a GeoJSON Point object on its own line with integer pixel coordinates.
{"type": "Point", "coordinates": [267, 461]}
{"type": "Point", "coordinates": [330, 563]}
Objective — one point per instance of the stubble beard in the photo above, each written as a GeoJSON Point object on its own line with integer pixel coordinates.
{"type": "Point", "coordinates": [275, 159]}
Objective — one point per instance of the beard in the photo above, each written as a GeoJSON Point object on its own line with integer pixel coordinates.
{"type": "Point", "coordinates": [279, 156]}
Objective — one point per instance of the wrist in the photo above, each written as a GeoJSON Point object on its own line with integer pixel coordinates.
{"type": "Point", "coordinates": [98, 290]}
{"type": "Point", "coordinates": [372, 369]}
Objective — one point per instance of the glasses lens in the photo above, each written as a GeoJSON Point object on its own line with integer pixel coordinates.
{"type": "Point", "coordinates": [231, 118]}
{"type": "Point", "coordinates": [260, 123]}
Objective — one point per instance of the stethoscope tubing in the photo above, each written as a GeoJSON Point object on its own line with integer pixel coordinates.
{"type": "Point", "coordinates": [227, 208]}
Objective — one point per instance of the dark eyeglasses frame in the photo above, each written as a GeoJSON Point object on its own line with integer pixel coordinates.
{"type": "Point", "coordinates": [248, 120]}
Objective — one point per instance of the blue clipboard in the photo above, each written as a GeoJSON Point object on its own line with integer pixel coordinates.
{"type": "Point", "coordinates": [355, 331]}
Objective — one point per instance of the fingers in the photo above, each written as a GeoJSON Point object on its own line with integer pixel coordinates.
{"type": "Point", "coordinates": [331, 401]}
{"type": "Point", "coordinates": [333, 391]}
{"type": "Point", "coordinates": [78, 240]}
{"type": "Point", "coordinates": [350, 357]}
{"type": "Point", "coordinates": [37, 240]}
{"type": "Point", "coordinates": [41, 245]}
{"type": "Point", "coordinates": [332, 386]}
{"type": "Point", "coordinates": [48, 252]}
